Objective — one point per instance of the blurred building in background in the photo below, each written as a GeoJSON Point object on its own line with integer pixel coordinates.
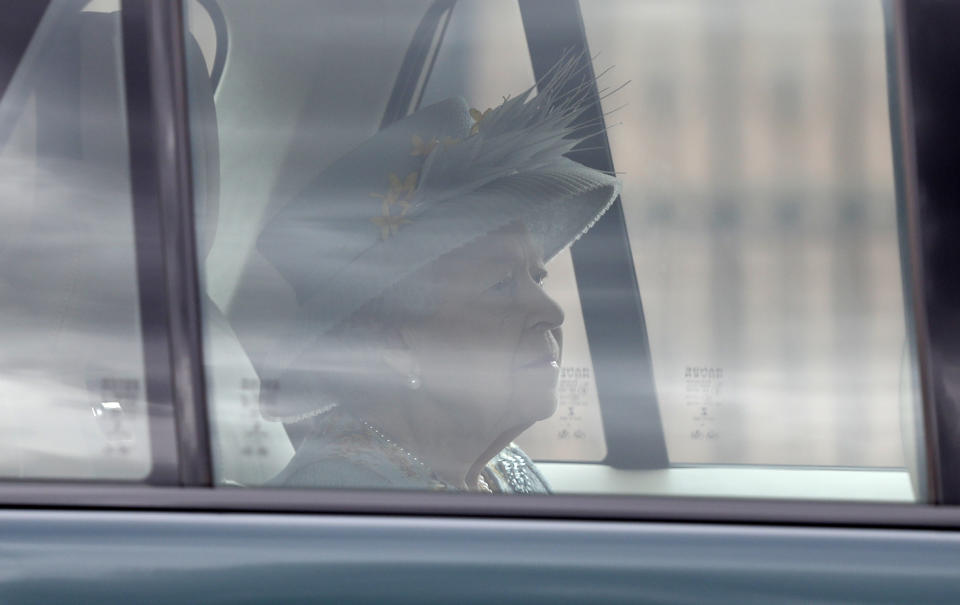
{"type": "Point", "coordinates": [754, 146]}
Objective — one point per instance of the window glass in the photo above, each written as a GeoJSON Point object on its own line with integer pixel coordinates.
{"type": "Point", "coordinates": [72, 402]}
{"type": "Point", "coordinates": [391, 265]}
{"type": "Point", "coordinates": [759, 197]}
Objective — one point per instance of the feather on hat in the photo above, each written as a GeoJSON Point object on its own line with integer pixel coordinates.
{"type": "Point", "coordinates": [421, 188]}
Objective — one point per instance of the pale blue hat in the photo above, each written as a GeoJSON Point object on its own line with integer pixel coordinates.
{"type": "Point", "coordinates": [425, 186]}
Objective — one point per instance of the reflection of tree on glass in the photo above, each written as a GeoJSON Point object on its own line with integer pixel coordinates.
{"type": "Point", "coordinates": [424, 342]}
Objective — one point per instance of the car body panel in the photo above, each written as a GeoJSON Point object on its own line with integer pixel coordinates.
{"type": "Point", "coordinates": [125, 556]}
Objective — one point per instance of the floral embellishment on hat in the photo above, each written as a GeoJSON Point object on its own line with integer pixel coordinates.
{"type": "Point", "coordinates": [396, 203]}
{"type": "Point", "coordinates": [400, 190]}
{"type": "Point", "coordinates": [421, 147]}
{"type": "Point", "coordinates": [425, 148]}
{"type": "Point", "coordinates": [390, 223]}
{"type": "Point", "coordinates": [477, 118]}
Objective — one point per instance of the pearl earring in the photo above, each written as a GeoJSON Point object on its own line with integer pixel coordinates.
{"type": "Point", "coordinates": [413, 381]}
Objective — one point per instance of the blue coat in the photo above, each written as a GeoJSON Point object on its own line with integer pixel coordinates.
{"type": "Point", "coordinates": [343, 452]}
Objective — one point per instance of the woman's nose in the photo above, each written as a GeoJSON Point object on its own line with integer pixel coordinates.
{"type": "Point", "coordinates": [543, 312]}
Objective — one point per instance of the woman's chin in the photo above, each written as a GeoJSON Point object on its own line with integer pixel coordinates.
{"type": "Point", "coordinates": [539, 394]}
{"type": "Point", "coordinates": [540, 406]}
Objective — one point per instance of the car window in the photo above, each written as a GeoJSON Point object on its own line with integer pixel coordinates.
{"type": "Point", "coordinates": [72, 383]}
{"type": "Point", "coordinates": [417, 200]}
{"type": "Point", "coordinates": [759, 197]}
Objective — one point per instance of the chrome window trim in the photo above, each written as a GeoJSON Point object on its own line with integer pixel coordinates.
{"type": "Point", "coordinates": [87, 496]}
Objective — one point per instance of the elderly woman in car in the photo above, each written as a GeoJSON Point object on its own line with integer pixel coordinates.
{"type": "Point", "coordinates": [425, 343]}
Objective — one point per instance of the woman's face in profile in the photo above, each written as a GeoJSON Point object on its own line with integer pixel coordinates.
{"type": "Point", "coordinates": [493, 347]}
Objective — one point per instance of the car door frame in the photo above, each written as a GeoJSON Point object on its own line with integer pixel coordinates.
{"type": "Point", "coordinates": [153, 36]}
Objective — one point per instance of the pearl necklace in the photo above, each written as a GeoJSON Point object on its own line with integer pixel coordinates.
{"type": "Point", "coordinates": [481, 483]}
{"type": "Point", "coordinates": [394, 444]}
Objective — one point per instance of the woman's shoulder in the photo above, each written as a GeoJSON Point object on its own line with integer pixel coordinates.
{"type": "Point", "coordinates": [343, 454]}
{"type": "Point", "coordinates": [329, 471]}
